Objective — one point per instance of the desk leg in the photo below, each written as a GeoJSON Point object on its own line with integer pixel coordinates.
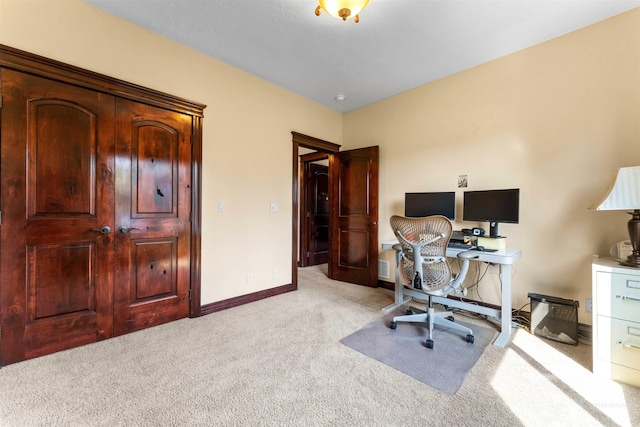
{"type": "Point", "coordinates": [505, 315]}
{"type": "Point", "coordinates": [398, 298]}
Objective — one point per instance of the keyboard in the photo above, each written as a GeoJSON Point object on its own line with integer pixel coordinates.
{"type": "Point", "coordinates": [455, 244]}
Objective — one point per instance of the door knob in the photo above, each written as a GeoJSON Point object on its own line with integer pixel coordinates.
{"type": "Point", "coordinates": [125, 230]}
{"type": "Point", "coordinates": [373, 223]}
{"type": "Point", "coordinates": [103, 230]}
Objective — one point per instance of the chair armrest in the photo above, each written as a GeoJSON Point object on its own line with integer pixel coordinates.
{"type": "Point", "coordinates": [465, 257]}
{"type": "Point", "coordinates": [468, 254]}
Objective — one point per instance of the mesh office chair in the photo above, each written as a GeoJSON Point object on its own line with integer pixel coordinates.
{"type": "Point", "coordinates": [422, 266]}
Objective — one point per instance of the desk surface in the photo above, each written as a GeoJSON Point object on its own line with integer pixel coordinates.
{"type": "Point", "coordinates": [502, 256]}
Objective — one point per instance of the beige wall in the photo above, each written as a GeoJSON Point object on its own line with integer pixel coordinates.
{"type": "Point", "coordinates": [247, 130]}
{"type": "Point", "coordinates": [554, 120]}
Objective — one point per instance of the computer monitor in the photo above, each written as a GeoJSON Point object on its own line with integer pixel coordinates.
{"type": "Point", "coordinates": [492, 206]}
{"type": "Point", "coordinates": [419, 205]}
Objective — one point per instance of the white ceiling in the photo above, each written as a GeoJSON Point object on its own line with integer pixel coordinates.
{"type": "Point", "coordinates": [396, 46]}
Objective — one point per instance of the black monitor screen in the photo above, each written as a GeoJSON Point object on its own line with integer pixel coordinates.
{"type": "Point", "coordinates": [419, 205]}
{"type": "Point", "coordinates": [492, 206]}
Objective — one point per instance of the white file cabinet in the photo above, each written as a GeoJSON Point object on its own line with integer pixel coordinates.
{"type": "Point", "coordinates": [616, 321]}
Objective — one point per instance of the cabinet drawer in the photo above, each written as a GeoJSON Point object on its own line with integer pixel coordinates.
{"type": "Point", "coordinates": [619, 341]}
{"type": "Point", "coordinates": [616, 372]}
{"type": "Point", "coordinates": [618, 295]}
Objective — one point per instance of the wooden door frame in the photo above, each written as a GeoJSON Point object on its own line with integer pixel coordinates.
{"type": "Point", "coordinates": [195, 310]}
{"type": "Point", "coordinates": [301, 140]}
{"type": "Point", "coordinates": [48, 68]}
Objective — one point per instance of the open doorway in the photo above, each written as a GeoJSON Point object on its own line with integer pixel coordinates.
{"type": "Point", "coordinates": [353, 211]}
{"type": "Point", "coordinates": [314, 209]}
{"type": "Point", "coordinates": [307, 150]}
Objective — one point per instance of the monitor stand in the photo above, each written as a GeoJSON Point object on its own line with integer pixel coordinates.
{"type": "Point", "coordinates": [493, 229]}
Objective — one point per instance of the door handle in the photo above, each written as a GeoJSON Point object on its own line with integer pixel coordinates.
{"type": "Point", "coordinates": [373, 223]}
{"type": "Point", "coordinates": [125, 230]}
{"type": "Point", "coordinates": [102, 230]}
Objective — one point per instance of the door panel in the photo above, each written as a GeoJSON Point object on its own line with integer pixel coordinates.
{"type": "Point", "coordinates": [154, 169]}
{"type": "Point", "coordinates": [57, 190]}
{"type": "Point", "coordinates": [354, 187]}
{"type": "Point", "coordinates": [47, 296]}
{"type": "Point", "coordinates": [154, 268]}
{"type": "Point", "coordinates": [61, 157]}
{"type": "Point", "coordinates": [152, 215]}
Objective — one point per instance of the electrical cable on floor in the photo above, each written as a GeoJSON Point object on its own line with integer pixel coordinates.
{"type": "Point", "coordinates": [522, 321]}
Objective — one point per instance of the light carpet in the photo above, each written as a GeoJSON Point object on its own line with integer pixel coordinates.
{"type": "Point", "coordinates": [279, 362]}
{"type": "Point", "coordinates": [444, 367]}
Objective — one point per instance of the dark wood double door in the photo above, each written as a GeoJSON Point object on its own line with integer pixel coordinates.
{"type": "Point", "coordinates": [96, 205]}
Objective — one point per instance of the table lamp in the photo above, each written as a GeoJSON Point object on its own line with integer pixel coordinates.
{"type": "Point", "coordinates": [623, 194]}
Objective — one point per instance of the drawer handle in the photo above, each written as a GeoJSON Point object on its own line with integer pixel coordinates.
{"type": "Point", "coordinates": [626, 344]}
{"type": "Point", "coordinates": [624, 297]}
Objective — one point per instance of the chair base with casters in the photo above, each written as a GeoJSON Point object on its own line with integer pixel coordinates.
{"type": "Point", "coordinates": [432, 318]}
{"type": "Point", "coordinates": [423, 271]}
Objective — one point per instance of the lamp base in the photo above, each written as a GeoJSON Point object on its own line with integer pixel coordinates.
{"type": "Point", "coordinates": [632, 261]}
{"type": "Point", "coordinates": [633, 226]}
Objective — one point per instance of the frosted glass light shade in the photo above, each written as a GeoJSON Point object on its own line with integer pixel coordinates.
{"type": "Point", "coordinates": [343, 9]}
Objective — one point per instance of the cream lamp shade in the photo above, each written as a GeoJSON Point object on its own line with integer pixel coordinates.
{"type": "Point", "coordinates": [623, 193]}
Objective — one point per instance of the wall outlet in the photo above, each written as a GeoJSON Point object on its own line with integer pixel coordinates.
{"type": "Point", "coordinates": [249, 277]}
{"type": "Point", "coordinates": [588, 306]}
{"type": "Point", "coordinates": [220, 206]}
{"type": "Point", "coordinates": [274, 273]}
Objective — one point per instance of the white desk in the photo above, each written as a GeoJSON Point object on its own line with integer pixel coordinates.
{"type": "Point", "coordinates": [504, 258]}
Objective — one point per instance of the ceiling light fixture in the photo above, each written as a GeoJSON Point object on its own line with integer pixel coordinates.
{"type": "Point", "coordinates": [342, 9]}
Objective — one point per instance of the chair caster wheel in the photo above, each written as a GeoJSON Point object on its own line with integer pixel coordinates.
{"type": "Point", "coordinates": [429, 343]}
{"type": "Point", "coordinates": [470, 338]}
{"type": "Point", "coordinates": [409, 312]}
{"type": "Point", "coordinates": [393, 325]}
{"type": "Point", "coordinates": [450, 318]}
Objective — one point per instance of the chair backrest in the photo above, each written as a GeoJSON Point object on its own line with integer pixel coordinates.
{"type": "Point", "coordinates": [432, 267]}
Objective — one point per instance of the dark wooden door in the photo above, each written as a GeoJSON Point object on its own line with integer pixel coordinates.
{"type": "Point", "coordinates": [354, 216]}
{"type": "Point", "coordinates": [153, 208]}
{"type": "Point", "coordinates": [96, 216]}
{"type": "Point", "coordinates": [57, 175]}
{"type": "Point", "coordinates": [318, 214]}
